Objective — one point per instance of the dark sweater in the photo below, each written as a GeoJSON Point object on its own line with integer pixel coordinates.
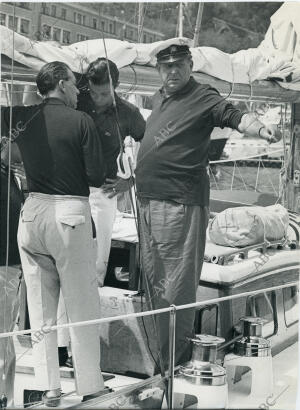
{"type": "Point", "coordinates": [60, 147]}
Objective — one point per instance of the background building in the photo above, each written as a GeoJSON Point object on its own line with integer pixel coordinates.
{"type": "Point", "coordinates": [69, 23]}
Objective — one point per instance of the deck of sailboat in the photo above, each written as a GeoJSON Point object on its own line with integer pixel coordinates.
{"type": "Point", "coordinates": [285, 372]}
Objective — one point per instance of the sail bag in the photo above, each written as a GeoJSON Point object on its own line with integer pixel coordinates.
{"type": "Point", "coordinates": [249, 225]}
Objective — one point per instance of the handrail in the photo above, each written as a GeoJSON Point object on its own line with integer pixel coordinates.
{"type": "Point", "coordinates": [48, 329]}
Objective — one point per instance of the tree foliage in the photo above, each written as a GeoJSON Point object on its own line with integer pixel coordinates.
{"type": "Point", "coordinates": [243, 24]}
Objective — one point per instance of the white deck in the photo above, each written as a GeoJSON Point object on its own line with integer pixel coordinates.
{"type": "Point", "coordinates": [285, 366]}
{"type": "Point", "coordinates": [285, 373]}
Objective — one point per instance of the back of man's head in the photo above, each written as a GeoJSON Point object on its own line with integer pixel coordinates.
{"type": "Point", "coordinates": [98, 73]}
{"type": "Point", "coordinates": [50, 75]}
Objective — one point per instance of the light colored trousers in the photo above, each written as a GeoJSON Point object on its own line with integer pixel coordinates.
{"type": "Point", "coordinates": [9, 306]}
{"type": "Point", "coordinates": [172, 240]}
{"type": "Point", "coordinates": [104, 213]}
{"type": "Point", "coordinates": [56, 249]}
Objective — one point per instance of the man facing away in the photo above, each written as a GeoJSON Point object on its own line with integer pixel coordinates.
{"type": "Point", "coordinates": [62, 157]}
{"type": "Point", "coordinates": [113, 124]}
{"type": "Point", "coordinates": [173, 186]}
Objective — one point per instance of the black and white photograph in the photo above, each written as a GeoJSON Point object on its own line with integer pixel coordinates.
{"type": "Point", "coordinates": [150, 205]}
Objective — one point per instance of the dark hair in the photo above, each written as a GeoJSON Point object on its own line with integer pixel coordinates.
{"type": "Point", "coordinates": [50, 75]}
{"type": "Point", "coordinates": [97, 72]}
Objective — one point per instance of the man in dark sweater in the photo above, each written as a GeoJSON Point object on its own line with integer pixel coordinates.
{"type": "Point", "coordinates": [113, 125]}
{"type": "Point", "coordinates": [173, 185]}
{"type": "Point", "coordinates": [62, 157]}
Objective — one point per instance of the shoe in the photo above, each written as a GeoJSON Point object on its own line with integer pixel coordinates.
{"type": "Point", "coordinates": [69, 362]}
{"type": "Point", "coordinates": [52, 398]}
{"type": "Point", "coordinates": [100, 393]}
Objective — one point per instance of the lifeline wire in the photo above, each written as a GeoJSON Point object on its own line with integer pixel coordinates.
{"type": "Point", "coordinates": [150, 312]}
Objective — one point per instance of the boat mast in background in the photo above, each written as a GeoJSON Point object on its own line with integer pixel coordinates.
{"type": "Point", "coordinates": [198, 24]}
{"type": "Point", "coordinates": [180, 20]}
{"type": "Point", "coordinates": [140, 21]}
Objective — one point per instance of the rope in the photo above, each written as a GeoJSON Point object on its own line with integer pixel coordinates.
{"type": "Point", "coordinates": [245, 158]}
{"type": "Point", "coordinates": [149, 312]}
{"type": "Point", "coordinates": [8, 202]}
{"type": "Point", "coordinates": [131, 179]}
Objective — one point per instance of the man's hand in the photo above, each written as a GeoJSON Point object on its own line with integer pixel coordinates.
{"type": "Point", "coordinates": [270, 134]}
{"type": "Point", "coordinates": [113, 187]}
{"type": "Point", "coordinates": [252, 127]}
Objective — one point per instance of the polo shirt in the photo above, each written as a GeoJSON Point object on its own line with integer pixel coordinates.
{"type": "Point", "coordinates": [173, 157]}
{"type": "Point", "coordinates": [60, 147]}
{"type": "Point", "coordinates": [130, 120]}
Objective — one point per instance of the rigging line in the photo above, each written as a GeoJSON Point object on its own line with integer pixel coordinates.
{"type": "Point", "coordinates": [122, 150]}
{"type": "Point", "coordinates": [8, 202]}
{"type": "Point", "coordinates": [160, 310]}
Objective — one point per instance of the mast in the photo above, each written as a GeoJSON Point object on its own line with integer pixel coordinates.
{"type": "Point", "coordinates": [198, 24]}
{"type": "Point", "coordinates": [140, 21]}
{"type": "Point", "coordinates": [180, 20]}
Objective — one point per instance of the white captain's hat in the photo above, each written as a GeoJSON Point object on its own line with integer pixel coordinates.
{"type": "Point", "coordinates": [171, 50]}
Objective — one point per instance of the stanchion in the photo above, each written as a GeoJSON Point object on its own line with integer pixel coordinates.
{"type": "Point", "coordinates": [172, 329]}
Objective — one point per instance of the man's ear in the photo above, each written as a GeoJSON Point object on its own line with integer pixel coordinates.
{"type": "Point", "coordinates": [61, 86]}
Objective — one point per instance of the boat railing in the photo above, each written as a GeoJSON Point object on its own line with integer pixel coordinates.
{"type": "Point", "coordinates": [172, 310]}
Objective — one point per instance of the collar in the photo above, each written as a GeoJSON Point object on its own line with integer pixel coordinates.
{"type": "Point", "coordinates": [54, 101]}
{"type": "Point", "coordinates": [184, 90]}
{"type": "Point", "coordinates": [109, 110]}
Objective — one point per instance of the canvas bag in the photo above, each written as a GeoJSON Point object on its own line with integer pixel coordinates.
{"type": "Point", "coordinates": [249, 225]}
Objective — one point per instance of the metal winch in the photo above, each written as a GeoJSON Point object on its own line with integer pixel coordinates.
{"type": "Point", "coordinates": [202, 369]}
{"type": "Point", "coordinates": [254, 352]}
{"type": "Point", "coordinates": [202, 377]}
{"type": "Point", "coordinates": [252, 344]}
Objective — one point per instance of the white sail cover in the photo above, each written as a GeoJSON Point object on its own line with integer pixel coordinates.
{"type": "Point", "coordinates": [277, 57]}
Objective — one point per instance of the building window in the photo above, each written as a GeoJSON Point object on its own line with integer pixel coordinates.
{"type": "Point", "coordinates": [53, 11]}
{"type": "Point", "coordinates": [24, 5]}
{"type": "Point", "coordinates": [11, 24]}
{"type": "Point", "coordinates": [63, 14]}
{"type": "Point", "coordinates": [145, 38]}
{"type": "Point", "coordinates": [66, 37]}
{"type": "Point", "coordinates": [2, 19]}
{"type": "Point", "coordinates": [81, 37]}
{"type": "Point", "coordinates": [112, 28]}
{"type": "Point", "coordinates": [103, 25]}
{"type": "Point", "coordinates": [77, 18]}
{"type": "Point", "coordinates": [94, 23]}
{"type": "Point", "coordinates": [56, 34]}
{"type": "Point", "coordinates": [83, 20]}
{"type": "Point", "coordinates": [45, 9]}
{"type": "Point", "coordinates": [290, 302]}
{"type": "Point", "coordinates": [24, 28]}
{"type": "Point", "coordinates": [151, 39]}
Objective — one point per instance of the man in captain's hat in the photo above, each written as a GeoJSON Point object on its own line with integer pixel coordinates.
{"type": "Point", "coordinates": [173, 185]}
